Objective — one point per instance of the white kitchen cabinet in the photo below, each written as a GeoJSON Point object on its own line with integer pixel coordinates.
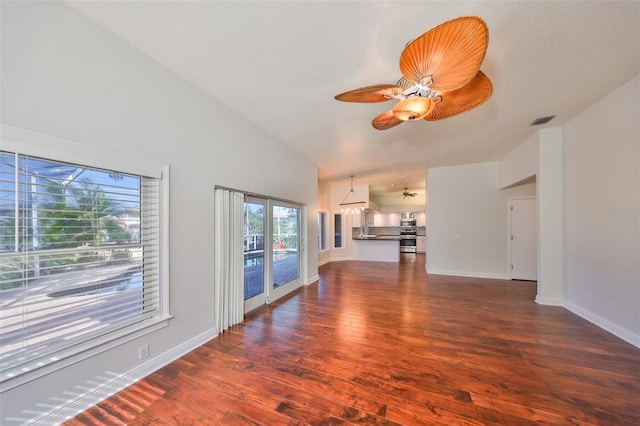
{"type": "Point", "coordinates": [380, 219]}
{"type": "Point", "coordinates": [421, 244]}
{"type": "Point", "coordinates": [393, 219]}
{"type": "Point", "coordinates": [421, 219]}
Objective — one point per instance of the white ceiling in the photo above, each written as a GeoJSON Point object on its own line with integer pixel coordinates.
{"type": "Point", "coordinates": [279, 64]}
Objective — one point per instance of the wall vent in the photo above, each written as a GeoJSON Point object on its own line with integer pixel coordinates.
{"type": "Point", "coordinates": [542, 120]}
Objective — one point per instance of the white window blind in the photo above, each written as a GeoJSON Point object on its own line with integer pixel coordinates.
{"type": "Point", "coordinates": [79, 256]}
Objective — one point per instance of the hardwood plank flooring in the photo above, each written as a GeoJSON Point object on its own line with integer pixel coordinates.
{"type": "Point", "coordinates": [383, 343]}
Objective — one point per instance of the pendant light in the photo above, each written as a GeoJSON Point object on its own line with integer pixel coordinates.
{"type": "Point", "coordinates": [351, 207]}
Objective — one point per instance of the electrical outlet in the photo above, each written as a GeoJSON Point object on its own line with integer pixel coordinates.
{"type": "Point", "coordinates": [446, 261]}
{"type": "Point", "coordinates": [609, 303]}
{"type": "Point", "coordinates": [143, 352]}
{"type": "Point", "coordinates": [589, 294]}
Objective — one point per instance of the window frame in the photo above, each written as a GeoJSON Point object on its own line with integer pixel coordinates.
{"type": "Point", "coordinates": [51, 148]}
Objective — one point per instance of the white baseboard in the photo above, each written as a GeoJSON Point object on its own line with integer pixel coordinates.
{"type": "Point", "coordinates": [313, 279]}
{"type": "Point", "coordinates": [108, 386]}
{"type": "Point", "coordinates": [324, 258]}
{"type": "Point", "coordinates": [468, 274]}
{"type": "Point", "coordinates": [551, 301]}
{"type": "Point", "coordinates": [605, 324]}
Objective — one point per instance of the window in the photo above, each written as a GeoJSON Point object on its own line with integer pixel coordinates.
{"type": "Point", "coordinates": [81, 261]}
{"type": "Point", "coordinates": [322, 231]}
{"type": "Point", "coordinates": [337, 230]}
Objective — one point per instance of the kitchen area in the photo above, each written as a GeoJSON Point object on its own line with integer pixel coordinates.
{"type": "Point", "coordinates": [375, 222]}
{"type": "Point", "coordinates": [382, 237]}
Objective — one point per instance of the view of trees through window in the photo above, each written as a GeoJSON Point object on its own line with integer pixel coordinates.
{"type": "Point", "coordinates": [285, 227]}
{"type": "Point", "coordinates": [55, 206]}
{"type": "Point", "coordinates": [71, 254]}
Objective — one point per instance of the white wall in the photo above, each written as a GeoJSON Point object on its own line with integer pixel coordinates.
{"type": "Point", "coordinates": [602, 217]}
{"type": "Point", "coordinates": [324, 197]}
{"type": "Point", "coordinates": [64, 76]}
{"type": "Point", "coordinates": [467, 225]}
{"type": "Point", "coordinates": [550, 188]}
{"type": "Point", "coordinates": [521, 163]}
{"type": "Point", "coordinates": [324, 205]}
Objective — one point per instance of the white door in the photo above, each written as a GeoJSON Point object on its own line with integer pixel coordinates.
{"type": "Point", "coordinates": [524, 258]}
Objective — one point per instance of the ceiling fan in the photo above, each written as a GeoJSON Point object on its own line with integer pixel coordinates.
{"type": "Point", "coordinates": [406, 194]}
{"type": "Point", "coordinates": [441, 75]}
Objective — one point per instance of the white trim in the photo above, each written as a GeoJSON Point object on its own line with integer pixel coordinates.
{"type": "Point", "coordinates": [118, 382]}
{"type": "Point", "coordinates": [164, 241]}
{"type": "Point", "coordinates": [312, 279]}
{"type": "Point", "coordinates": [469, 274]}
{"type": "Point", "coordinates": [52, 148]}
{"type": "Point", "coordinates": [324, 261]}
{"type": "Point", "coordinates": [550, 301]}
{"type": "Point", "coordinates": [324, 257]}
{"type": "Point", "coordinates": [621, 332]}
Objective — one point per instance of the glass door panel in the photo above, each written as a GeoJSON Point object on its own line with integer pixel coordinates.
{"type": "Point", "coordinates": [254, 253]}
{"type": "Point", "coordinates": [286, 248]}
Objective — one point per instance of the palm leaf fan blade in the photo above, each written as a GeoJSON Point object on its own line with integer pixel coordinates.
{"type": "Point", "coordinates": [386, 120]}
{"type": "Point", "coordinates": [468, 97]}
{"type": "Point", "coordinates": [451, 53]}
{"type": "Point", "coordinates": [371, 94]}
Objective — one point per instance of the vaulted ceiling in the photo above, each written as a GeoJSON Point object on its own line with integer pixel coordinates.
{"type": "Point", "coordinates": [280, 63]}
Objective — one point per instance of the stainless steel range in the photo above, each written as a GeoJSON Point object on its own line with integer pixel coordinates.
{"type": "Point", "coordinates": [408, 239]}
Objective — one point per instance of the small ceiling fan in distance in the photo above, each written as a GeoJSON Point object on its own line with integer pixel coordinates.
{"type": "Point", "coordinates": [406, 194]}
{"type": "Point", "coordinates": [441, 75]}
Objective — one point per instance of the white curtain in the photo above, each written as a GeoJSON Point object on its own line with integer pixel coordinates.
{"type": "Point", "coordinates": [228, 258]}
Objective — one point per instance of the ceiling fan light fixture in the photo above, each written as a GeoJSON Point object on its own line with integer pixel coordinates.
{"type": "Point", "coordinates": [441, 75]}
{"type": "Point", "coordinates": [413, 108]}
{"type": "Point", "coordinates": [406, 194]}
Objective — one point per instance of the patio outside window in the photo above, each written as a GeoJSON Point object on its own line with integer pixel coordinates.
{"type": "Point", "coordinates": [79, 258]}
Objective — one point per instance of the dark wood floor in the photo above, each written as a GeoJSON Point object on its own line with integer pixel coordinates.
{"type": "Point", "coordinates": [380, 343]}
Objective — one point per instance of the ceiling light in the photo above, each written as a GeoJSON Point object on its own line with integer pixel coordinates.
{"type": "Point", "coordinates": [413, 108]}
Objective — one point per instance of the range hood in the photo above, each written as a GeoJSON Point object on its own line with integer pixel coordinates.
{"type": "Point", "coordinates": [372, 208]}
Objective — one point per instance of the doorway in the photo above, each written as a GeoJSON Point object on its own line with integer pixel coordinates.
{"type": "Point", "coordinates": [272, 250]}
{"type": "Point", "coordinates": [523, 238]}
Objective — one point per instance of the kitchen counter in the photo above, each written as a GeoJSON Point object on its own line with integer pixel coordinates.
{"type": "Point", "coordinates": [377, 237]}
{"type": "Point", "coordinates": [377, 249]}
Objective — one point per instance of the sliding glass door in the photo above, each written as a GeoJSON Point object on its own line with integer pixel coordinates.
{"type": "Point", "coordinates": [272, 255]}
{"type": "Point", "coordinates": [254, 252]}
{"type": "Point", "coordinates": [286, 248]}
